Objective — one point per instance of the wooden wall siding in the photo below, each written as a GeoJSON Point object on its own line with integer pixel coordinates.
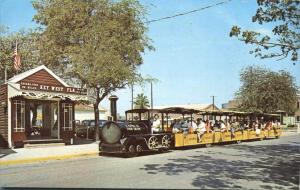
{"type": "Point", "coordinates": [42, 77]}
{"type": "Point", "coordinates": [3, 116]}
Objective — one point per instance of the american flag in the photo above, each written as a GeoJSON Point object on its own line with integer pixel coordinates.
{"type": "Point", "coordinates": [17, 59]}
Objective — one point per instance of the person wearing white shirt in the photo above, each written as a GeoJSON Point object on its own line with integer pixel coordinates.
{"type": "Point", "coordinates": [200, 129]}
{"type": "Point", "coordinates": [193, 125]}
{"type": "Point", "coordinates": [223, 127]}
{"type": "Point", "coordinates": [156, 124]}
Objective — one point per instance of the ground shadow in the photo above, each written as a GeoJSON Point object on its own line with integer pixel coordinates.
{"type": "Point", "coordinates": [124, 155]}
{"type": "Point", "coordinates": [268, 166]}
{"type": "Point", "coordinates": [5, 152]}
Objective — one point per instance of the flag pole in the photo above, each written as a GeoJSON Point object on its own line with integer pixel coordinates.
{"type": "Point", "coordinates": [17, 53]}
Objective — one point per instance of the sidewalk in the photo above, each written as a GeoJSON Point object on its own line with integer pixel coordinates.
{"type": "Point", "coordinates": [28, 155]}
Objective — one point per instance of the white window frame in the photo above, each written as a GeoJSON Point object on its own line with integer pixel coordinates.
{"type": "Point", "coordinates": [21, 106]}
{"type": "Point", "coordinates": [67, 107]}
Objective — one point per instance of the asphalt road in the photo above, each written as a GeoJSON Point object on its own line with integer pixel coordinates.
{"type": "Point", "coordinates": [268, 164]}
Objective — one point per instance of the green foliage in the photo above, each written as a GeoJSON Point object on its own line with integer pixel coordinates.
{"type": "Point", "coordinates": [98, 42]}
{"type": "Point", "coordinates": [285, 42]}
{"type": "Point", "coordinates": [141, 101]}
{"type": "Point", "coordinates": [267, 91]}
{"type": "Point", "coordinates": [27, 50]}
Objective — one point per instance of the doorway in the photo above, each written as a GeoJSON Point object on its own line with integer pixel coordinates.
{"type": "Point", "coordinates": [43, 120]}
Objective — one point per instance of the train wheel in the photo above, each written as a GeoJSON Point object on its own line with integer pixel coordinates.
{"type": "Point", "coordinates": [152, 142]}
{"type": "Point", "coordinates": [131, 148]}
{"type": "Point", "coordinates": [131, 151]}
{"type": "Point", "coordinates": [166, 141]}
{"type": "Point", "coordinates": [139, 148]}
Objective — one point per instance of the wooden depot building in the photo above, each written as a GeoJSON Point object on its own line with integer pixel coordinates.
{"type": "Point", "coordinates": [37, 106]}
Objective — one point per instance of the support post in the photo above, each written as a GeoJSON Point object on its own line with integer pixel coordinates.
{"type": "Point", "coordinates": [113, 107]}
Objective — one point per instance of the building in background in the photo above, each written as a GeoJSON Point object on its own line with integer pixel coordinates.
{"type": "Point", "coordinates": [86, 112]}
{"type": "Point", "coordinates": [37, 106]}
{"type": "Point", "coordinates": [231, 105]}
{"type": "Point", "coordinates": [201, 107]}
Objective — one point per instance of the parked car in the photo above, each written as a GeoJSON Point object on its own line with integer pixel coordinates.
{"type": "Point", "coordinates": [87, 127]}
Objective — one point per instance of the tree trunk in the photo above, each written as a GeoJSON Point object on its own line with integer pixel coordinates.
{"type": "Point", "coordinates": [96, 111]}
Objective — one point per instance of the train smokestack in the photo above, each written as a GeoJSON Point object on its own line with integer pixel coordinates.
{"type": "Point", "coordinates": [113, 107]}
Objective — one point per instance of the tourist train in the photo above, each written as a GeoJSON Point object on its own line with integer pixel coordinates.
{"type": "Point", "coordinates": [156, 130]}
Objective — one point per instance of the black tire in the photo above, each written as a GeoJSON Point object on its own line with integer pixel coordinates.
{"type": "Point", "coordinates": [131, 151]}
{"type": "Point", "coordinates": [139, 148]}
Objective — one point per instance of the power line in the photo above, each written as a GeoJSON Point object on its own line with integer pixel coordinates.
{"type": "Point", "coordinates": [188, 12]}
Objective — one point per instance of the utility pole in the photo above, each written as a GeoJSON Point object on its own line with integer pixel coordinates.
{"type": "Point", "coordinates": [151, 88]}
{"type": "Point", "coordinates": [213, 102]}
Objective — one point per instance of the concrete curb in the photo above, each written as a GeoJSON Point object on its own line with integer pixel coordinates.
{"type": "Point", "coordinates": [40, 159]}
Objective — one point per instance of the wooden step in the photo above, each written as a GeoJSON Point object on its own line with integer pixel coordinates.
{"type": "Point", "coordinates": [42, 141]}
{"type": "Point", "coordinates": [43, 145]}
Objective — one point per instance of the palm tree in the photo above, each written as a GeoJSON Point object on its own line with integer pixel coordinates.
{"type": "Point", "coordinates": [141, 101]}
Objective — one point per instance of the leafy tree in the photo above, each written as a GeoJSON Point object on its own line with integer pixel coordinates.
{"type": "Point", "coordinates": [285, 41]}
{"type": "Point", "coordinates": [97, 42]}
{"type": "Point", "coordinates": [141, 101]}
{"type": "Point", "coordinates": [27, 49]}
{"type": "Point", "coordinates": [263, 90]}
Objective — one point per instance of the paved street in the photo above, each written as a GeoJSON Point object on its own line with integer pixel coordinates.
{"type": "Point", "coordinates": [250, 165]}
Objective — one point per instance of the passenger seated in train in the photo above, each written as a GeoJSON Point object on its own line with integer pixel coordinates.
{"type": "Point", "coordinates": [223, 127]}
{"type": "Point", "coordinates": [276, 125]}
{"type": "Point", "coordinates": [176, 128]}
{"type": "Point", "coordinates": [156, 124]}
{"type": "Point", "coordinates": [257, 128]}
{"type": "Point", "coordinates": [230, 128]}
{"type": "Point", "coordinates": [235, 125]}
{"type": "Point", "coordinates": [200, 129]}
{"type": "Point", "coordinates": [268, 125]}
{"type": "Point", "coordinates": [192, 126]}
{"type": "Point", "coordinates": [208, 126]}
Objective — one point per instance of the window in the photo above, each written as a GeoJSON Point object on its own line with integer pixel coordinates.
{"type": "Point", "coordinates": [68, 116]}
{"type": "Point", "coordinates": [298, 105]}
{"type": "Point", "coordinates": [19, 116]}
{"type": "Point", "coordinates": [298, 118]}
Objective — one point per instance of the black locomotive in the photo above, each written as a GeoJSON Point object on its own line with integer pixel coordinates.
{"type": "Point", "coordinates": [134, 136]}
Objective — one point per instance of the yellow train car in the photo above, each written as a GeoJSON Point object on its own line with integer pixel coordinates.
{"type": "Point", "coordinates": [273, 133]}
{"type": "Point", "coordinates": [188, 138]}
{"type": "Point", "coordinates": [238, 136]}
{"type": "Point", "coordinates": [245, 135]}
{"type": "Point", "coordinates": [218, 137]}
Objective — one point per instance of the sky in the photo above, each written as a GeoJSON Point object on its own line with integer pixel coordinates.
{"type": "Point", "coordinates": [194, 56]}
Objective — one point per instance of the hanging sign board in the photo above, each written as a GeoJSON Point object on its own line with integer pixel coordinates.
{"type": "Point", "coordinates": [49, 88]}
